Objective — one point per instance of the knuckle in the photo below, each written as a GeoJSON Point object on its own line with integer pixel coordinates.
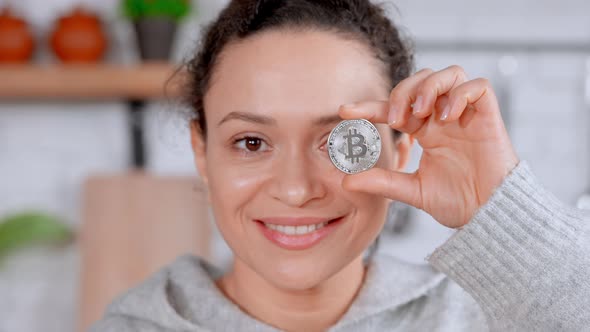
{"type": "Point", "coordinates": [461, 76]}
{"type": "Point", "coordinates": [401, 86]}
{"type": "Point", "coordinates": [396, 97]}
{"type": "Point", "coordinates": [411, 80]}
{"type": "Point", "coordinates": [425, 71]}
{"type": "Point", "coordinates": [459, 73]}
{"type": "Point", "coordinates": [430, 85]}
{"type": "Point", "coordinates": [390, 179]}
{"type": "Point", "coordinates": [482, 81]}
{"type": "Point", "coordinates": [456, 69]}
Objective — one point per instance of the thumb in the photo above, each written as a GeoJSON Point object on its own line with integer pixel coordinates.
{"type": "Point", "coordinates": [398, 186]}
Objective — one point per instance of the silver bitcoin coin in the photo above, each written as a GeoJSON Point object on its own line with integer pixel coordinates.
{"type": "Point", "coordinates": [354, 146]}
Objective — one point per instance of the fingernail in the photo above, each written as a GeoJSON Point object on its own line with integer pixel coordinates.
{"type": "Point", "coordinates": [445, 113]}
{"type": "Point", "coordinates": [392, 118]}
{"type": "Point", "coordinates": [418, 105]}
{"type": "Point", "coordinates": [351, 105]}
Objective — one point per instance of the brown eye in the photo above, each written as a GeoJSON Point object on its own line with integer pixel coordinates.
{"type": "Point", "coordinates": [253, 144]}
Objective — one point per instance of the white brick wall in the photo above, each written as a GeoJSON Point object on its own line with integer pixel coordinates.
{"type": "Point", "coordinates": [47, 149]}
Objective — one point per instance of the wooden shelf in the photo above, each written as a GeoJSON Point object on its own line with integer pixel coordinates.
{"type": "Point", "coordinates": [79, 82]}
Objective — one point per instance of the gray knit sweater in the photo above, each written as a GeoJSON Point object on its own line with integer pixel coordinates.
{"type": "Point", "coordinates": [521, 264]}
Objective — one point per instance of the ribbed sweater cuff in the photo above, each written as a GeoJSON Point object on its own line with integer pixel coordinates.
{"type": "Point", "coordinates": [510, 255]}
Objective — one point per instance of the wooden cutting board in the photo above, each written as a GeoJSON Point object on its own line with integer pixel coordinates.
{"type": "Point", "coordinates": [133, 224]}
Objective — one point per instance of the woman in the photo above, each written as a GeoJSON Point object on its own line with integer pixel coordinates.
{"type": "Point", "coordinates": [270, 82]}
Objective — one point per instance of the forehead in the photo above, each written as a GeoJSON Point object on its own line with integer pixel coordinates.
{"type": "Point", "coordinates": [293, 72]}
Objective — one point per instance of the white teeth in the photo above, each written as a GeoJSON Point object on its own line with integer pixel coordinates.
{"type": "Point", "coordinates": [296, 230]}
{"type": "Point", "coordinates": [290, 230]}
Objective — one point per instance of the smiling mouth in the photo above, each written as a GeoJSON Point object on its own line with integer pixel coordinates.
{"type": "Point", "coordinates": [298, 230]}
{"type": "Point", "coordinates": [297, 234]}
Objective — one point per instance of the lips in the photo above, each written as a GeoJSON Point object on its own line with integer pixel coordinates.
{"type": "Point", "coordinates": [291, 221]}
{"type": "Point", "coordinates": [296, 230]}
{"type": "Point", "coordinates": [297, 233]}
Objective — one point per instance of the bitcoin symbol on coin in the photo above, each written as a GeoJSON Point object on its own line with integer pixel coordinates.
{"type": "Point", "coordinates": [352, 144]}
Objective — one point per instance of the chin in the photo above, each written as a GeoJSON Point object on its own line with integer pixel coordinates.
{"type": "Point", "coordinates": [299, 274]}
{"type": "Point", "coordinates": [307, 270]}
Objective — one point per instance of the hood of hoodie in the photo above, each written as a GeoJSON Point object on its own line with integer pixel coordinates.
{"type": "Point", "coordinates": [183, 295]}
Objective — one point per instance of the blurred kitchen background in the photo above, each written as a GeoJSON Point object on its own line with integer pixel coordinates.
{"type": "Point", "coordinates": [68, 143]}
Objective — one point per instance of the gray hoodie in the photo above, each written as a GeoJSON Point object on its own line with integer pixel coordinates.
{"type": "Point", "coordinates": [521, 264]}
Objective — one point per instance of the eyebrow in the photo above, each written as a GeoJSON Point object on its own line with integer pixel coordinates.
{"type": "Point", "coordinates": [267, 120]}
{"type": "Point", "coordinates": [248, 117]}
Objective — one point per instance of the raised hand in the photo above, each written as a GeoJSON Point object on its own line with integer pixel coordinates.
{"type": "Point", "coordinates": [467, 151]}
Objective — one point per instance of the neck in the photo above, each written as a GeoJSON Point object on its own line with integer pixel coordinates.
{"type": "Point", "coordinates": [314, 309]}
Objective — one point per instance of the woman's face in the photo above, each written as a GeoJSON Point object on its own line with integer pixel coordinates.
{"type": "Point", "coordinates": [272, 103]}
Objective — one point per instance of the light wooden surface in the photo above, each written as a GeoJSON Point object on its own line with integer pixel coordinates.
{"type": "Point", "coordinates": [133, 224]}
{"type": "Point", "coordinates": [102, 81]}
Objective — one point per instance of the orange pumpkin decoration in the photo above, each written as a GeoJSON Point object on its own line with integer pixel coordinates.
{"type": "Point", "coordinates": [78, 37]}
{"type": "Point", "coordinates": [16, 39]}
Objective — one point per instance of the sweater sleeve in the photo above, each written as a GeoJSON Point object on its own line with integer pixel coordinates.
{"type": "Point", "coordinates": [524, 257]}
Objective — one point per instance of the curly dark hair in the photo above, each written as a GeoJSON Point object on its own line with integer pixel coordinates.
{"type": "Point", "coordinates": [358, 19]}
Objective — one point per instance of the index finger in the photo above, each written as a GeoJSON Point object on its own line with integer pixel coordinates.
{"type": "Point", "coordinates": [378, 112]}
{"type": "Point", "coordinates": [374, 111]}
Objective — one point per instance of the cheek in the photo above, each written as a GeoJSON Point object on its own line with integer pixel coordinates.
{"type": "Point", "coordinates": [231, 186]}
{"type": "Point", "coordinates": [370, 214]}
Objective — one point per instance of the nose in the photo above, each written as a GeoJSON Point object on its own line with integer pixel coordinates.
{"type": "Point", "coordinates": [296, 182]}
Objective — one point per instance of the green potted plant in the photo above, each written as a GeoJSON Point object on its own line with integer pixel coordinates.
{"type": "Point", "coordinates": [31, 228]}
{"type": "Point", "coordinates": [155, 23]}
